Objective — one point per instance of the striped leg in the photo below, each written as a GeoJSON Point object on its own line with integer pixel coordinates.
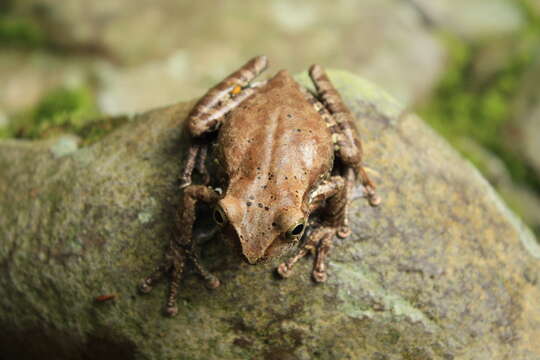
{"type": "Point", "coordinates": [181, 248]}
{"type": "Point", "coordinates": [347, 141]}
{"type": "Point", "coordinates": [209, 111]}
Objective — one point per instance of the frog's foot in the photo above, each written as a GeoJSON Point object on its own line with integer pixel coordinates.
{"type": "Point", "coordinates": [318, 242]}
{"type": "Point", "coordinates": [173, 264]}
{"type": "Point", "coordinates": [147, 284]}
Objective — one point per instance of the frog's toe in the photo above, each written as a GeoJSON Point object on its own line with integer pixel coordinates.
{"type": "Point", "coordinates": [344, 232]}
{"type": "Point", "coordinates": [171, 311]}
{"type": "Point", "coordinates": [284, 271]}
{"type": "Point", "coordinates": [144, 287]}
{"type": "Point", "coordinates": [213, 282]}
{"type": "Point", "coordinates": [319, 276]}
{"type": "Point", "coordinates": [374, 200]}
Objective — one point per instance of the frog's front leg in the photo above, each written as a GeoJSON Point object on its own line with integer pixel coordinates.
{"type": "Point", "coordinates": [208, 113]}
{"type": "Point", "coordinates": [332, 194]}
{"type": "Point", "coordinates": [181, 248]}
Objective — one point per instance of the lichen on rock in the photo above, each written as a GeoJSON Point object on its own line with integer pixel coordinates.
{"type": "Point", "coordinates": [441, 270]}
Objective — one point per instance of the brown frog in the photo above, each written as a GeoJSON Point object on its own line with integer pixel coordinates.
{"type": "Point", "coordinates": [285, 157]}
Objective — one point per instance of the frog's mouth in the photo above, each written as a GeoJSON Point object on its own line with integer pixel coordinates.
{"type": "Point", "coordinates": [256, 251]}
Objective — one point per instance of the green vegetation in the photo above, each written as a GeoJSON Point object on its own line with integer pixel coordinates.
{"type": "Point", "coordinates": [63, 110]}
{"type": "Point", "coordinates": [480, 109]}
{"type": "Point", "coordinates": [20, 32]}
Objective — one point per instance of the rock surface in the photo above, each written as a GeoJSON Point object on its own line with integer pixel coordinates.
{"type": "Point", "coordinates": [441, 270]}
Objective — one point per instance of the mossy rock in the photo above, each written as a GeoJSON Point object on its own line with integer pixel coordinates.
{"type": "Point", "coordinates": [441, 270]}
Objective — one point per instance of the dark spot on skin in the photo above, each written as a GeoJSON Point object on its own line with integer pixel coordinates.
{"type": "Point", "coordinates": [274, 224]}
{"type": "Point", "coordinates": [289, 116]}
{"type": "Point", "coordinates": [298, 130]}
{"type": "Point", "coordinates": [258, 168]}
{"type": "Point", "coordinates": [286, 178]}
{"type": "Point", "coordinates": [251, 197]}
{"type": "Point", "coordinates": [259, 177]}
{"type": "Point", "coordinates": [249, 203]}
{"type": "Point", "coordinates": [266, 208]}
{"type": "Point", "coordinates": [260, 205]}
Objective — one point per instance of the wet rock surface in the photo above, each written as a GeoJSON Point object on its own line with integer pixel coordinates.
{"type": "Point", "coordinates": [441, 270]}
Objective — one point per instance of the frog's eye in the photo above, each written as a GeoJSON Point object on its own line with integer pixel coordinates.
{"type": "Point", "coordinates": [219, 216]}
{"type": "Point", "coordinates": [295, 231]}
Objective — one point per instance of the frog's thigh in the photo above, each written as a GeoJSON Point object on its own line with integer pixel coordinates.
{"type": "Point", "coordinates": [208, 113]}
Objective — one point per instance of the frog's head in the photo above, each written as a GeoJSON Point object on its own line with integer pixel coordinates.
{"type": "Point", "coordinates": [264, 231]}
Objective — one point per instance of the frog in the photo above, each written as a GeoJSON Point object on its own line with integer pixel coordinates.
{"type": "Point", "coordinates": [287, 161]}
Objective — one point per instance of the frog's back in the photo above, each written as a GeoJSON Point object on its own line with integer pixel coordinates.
{"type": "Point", "coordinates": [276, 138]}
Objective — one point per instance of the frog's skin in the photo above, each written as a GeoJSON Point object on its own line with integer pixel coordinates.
{"type": "Point", "coordinates": [283, 154]}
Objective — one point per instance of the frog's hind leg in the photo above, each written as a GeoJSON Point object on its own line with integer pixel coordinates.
{"type": "Point", "coordinates": [345, 135]}
{"type": "Point", "coordinates": [181, 248]}
{"type": "Point", "coordinates": [208, 113]}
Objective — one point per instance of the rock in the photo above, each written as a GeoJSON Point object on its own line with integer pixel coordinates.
{"type": "Point", "coordinates": [164, 51]}
{"type": "Point", "coordinates": [441, 270]}
{"type": "Point", "coordinates": [522, 199]}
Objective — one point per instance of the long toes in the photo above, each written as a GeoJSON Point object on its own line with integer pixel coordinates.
{"type": "Point", "coordinates": [374, 200]}
{"type": "Point", "coordinates": [319, 276]}
{"type": "Point", "coordinates": [213, 282]}
{"type": "Point", "coordinates": [344, 232]}
{"type": "Point", "coordinates": [171, 311]}
{"type": "Point", "coordinates": [144, 287]}
{"type": "Point", "coordinates": [284, 271]}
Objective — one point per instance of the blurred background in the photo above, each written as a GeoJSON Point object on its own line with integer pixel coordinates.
{"type": "Point", "coordinates": [470, 68]}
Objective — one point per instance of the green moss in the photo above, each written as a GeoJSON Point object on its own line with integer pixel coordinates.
{"type": "Point", "coordinates": [463, 106]}
{"type": "Point", "coordinates": [20, 32]}
{"type": "Point", "coordinates": [63, 110]}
